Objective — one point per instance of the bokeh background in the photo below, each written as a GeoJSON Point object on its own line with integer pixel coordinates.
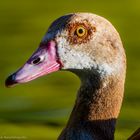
{"type": "Point", "coordinates": [40, 109]}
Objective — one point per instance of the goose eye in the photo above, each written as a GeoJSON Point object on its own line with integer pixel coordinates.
{"type": "Point", "coordinates": [37, 60]}
{"type": "Point", "coordinates": [81, 31]}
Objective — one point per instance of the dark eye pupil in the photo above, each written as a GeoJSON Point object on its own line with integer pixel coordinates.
{"type": "Point", "coordinates": [80, 31]}
{"type": "Point", "coordinates": [36, 61]}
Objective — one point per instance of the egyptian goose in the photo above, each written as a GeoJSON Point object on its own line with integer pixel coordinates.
{"type": "Point", "coordinates": [89, 46]}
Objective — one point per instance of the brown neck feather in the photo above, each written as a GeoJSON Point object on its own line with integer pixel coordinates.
{"type": "Point", "coordinates": [96, 109]}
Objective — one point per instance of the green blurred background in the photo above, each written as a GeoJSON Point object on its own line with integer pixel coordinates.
{"type": "Point", "coordinates": [40, 109]}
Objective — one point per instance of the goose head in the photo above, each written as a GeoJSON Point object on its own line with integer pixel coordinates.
{"type": "Point", "coordinates": [89, 46]}
{"type": "Point", "coordinates": [83, 43]}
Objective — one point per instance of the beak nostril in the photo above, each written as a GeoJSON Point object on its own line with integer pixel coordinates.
{"type": "Point", "coordinates": [36, 61]}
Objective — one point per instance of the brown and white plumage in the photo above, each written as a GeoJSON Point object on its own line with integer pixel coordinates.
{"type": "Point", "coordinates": [89, 46]}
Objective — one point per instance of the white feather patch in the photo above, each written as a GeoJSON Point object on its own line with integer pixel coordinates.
{"type": "Point", "coordinates": [73, 59]}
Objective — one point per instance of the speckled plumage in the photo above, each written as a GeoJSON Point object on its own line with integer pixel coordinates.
{"type": "Point", "coordinates": [101, 50]}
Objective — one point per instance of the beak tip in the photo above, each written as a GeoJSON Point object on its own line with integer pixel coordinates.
{"type": "Point", "coordinates": [10, 81]}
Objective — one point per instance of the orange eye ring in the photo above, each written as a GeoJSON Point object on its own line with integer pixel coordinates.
{"type": "Point", "coordinates": [81, 31]}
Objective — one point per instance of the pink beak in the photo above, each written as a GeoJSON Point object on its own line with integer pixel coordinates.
{"type": "Point", "coordinates": [42, 62]}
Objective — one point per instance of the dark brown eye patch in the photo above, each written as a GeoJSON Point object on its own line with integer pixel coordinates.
{"type": "Point", "coordinates": [80, 32]}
